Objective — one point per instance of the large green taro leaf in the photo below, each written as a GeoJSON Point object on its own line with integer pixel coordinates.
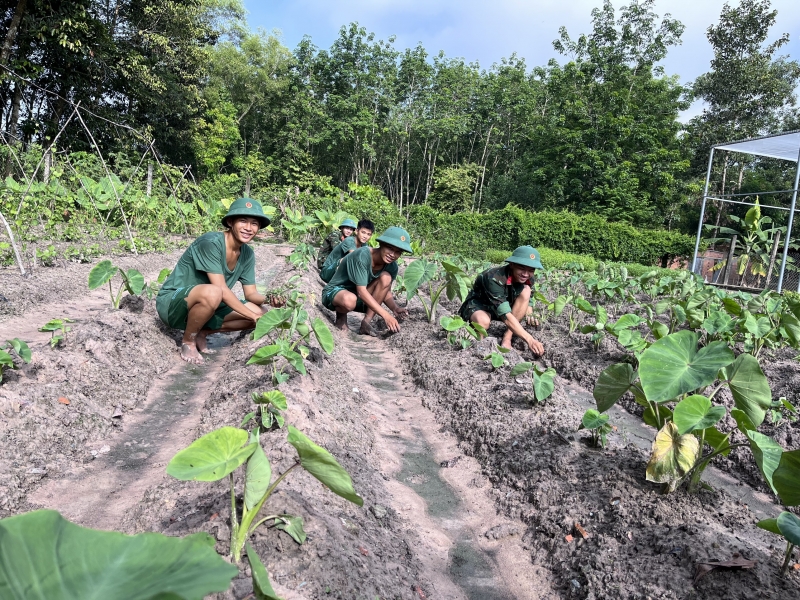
{"type": "Point", "coordinates": [212, 456]}
{"type": "Point", "coordinates": [672, 457]}
{"type": "Point", "coordinates": [612, 384]}
{"type": "Point", "coordinates": [45, 557]}
{"type": "Point", "coordinates": [322, 465]}
{"type": "Point", "coordinates": [789, 526]}
{"type": "Point", "coordinates": [593, 419]}
{"type": "Point", "coordinates": [323, 335]}
{"type": "Point", "coordinates": [134, 281]}
{"type": "Point", "coordinates": [257, 475]}
{"type": "Point", "coordinates": [270, 320]}
{"type": "Point", "coordinates": [749, 387]}
{"type": "Point", "coordinates": [101, 273]}
{"type": "Point", "coordinates": [696, 412]}
{"type": "Point", "coordinates": [418, 273]}
{"type": "Point", "coordinates": [543, 383]}
{"type": "Point", "coordinates": [767, 453]}
{"type": "Point", "coordinates": [673, 365]}
{"type": "Point", "coordinates": [786, 478]}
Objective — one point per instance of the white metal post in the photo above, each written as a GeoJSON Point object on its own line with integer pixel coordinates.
{"type": "Point", "coordinates": [789, 224]}
{"type": "Point", "coordinates": [703, 212]}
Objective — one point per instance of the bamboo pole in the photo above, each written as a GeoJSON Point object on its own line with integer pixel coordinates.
{"type": "Point", "coordinates": [14, 245]}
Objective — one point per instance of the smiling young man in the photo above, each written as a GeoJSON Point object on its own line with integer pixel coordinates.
{"type": "Point", "coordinates": [504, 294]}
{"type": "Point", "coordinates": [197, 295]}
{"type": "Point", "coordinates": [363, 282]}
{"type": "Point", "coordinates": [363, 232]}
{"type": "Point", "coordinates": [334, 239]}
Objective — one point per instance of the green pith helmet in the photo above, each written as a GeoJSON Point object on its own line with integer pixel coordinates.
{"type": "Point", "coordinates": [349, 223]}
{"type": "Point", "coordinates": [397, 237]}
{"type": "Point", "coordinates": [247, 207]}
{"type": "Point", "coordinates": [527, 256]}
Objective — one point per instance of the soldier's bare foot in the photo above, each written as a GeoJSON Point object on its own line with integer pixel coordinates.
{"type": "Point", "coordinates": [366, 329]}
{"type": "Point", "coordinates": [190, 354]}
{"type": "Point", "coordinates": [341, 321]}
{"type": "Point", "coordinates": [201, 342]}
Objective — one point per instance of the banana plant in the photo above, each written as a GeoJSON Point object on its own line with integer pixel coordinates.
{"type": "Point", "coordinates": [450, 279]}
{"type": "Point", "coordinates": [219, 454]}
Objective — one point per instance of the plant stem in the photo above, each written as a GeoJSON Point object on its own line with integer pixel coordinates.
{"type": "Point", "coordinates": [787, 558]}
{"type": "Point", "coordinates": [111, 293]}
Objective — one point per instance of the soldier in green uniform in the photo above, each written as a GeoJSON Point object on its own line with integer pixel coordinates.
{"type": "Point", "coordinates": [364, 231]}
{"type": "Point", "coordinates": [363, 282]}
{"type": "Point", "coordinates": [197, 295]}
{"type": "Point", "coordinates": [504, 294]}
{"type": "Point", "coordinates": [334, 239]}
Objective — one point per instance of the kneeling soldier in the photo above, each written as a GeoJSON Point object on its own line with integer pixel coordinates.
{"type": "Point", "coordinates": [363, 282]}
{"type": "Point", "coordinates": [360, 238]}
{"type": "Point", "coordinates": [504, 294]}
{"type": "Point", "coordinates": [334, 239]}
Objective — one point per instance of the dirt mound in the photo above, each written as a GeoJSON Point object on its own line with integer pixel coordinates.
{"type": "Point", "coordinates": [638, 544]}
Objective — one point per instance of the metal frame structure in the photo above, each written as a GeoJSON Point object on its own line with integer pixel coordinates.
{"type": "Point", "coordinates": [784, 146]}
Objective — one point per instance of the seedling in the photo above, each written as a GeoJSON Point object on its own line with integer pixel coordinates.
{"type": "Point", "coordinates": [270, 405]}
{"type": "Point", "coordinates": [220, 453]}
{"type": "Point", "coordinates": [787, 525]}
{"type": "Point", "coordinates": [497, 357]}
{"type": "Point", "coordinates": [454, 282]}
{"type": "Point", "coordinates": [598, 425]}
{"type": "Point", "coordinates": [151, 289]}
{"type": "Point", "coordinates": [460, 334]}
{"type": "Point", "coordinates": [301, 256]}
{"type": "Point", "coordinates": [7, 360]}
{"type": "Point", "coordinates": [103, 272]}
{"type": "Point", "coordinates": [542, 380]}
{"type": "Point", "coordinates": [293, 331]}
{"type": "Point", "coordinates": [54, 326]}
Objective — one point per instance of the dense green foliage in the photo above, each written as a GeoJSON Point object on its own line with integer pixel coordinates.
{"type": "Point", "coordinates": [595, 134]}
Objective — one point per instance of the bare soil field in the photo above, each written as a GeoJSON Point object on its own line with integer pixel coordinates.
{"type": "Point", "coordinates": [470, 490]}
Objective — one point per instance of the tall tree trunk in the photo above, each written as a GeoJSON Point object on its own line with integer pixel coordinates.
{"type": "Point", "coordinates": [11, 34]}
{"type": "Point", "coordinates": [12, 123]}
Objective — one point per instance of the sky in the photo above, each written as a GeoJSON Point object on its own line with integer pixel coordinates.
{"type": "Point", "coordinates": [487, 31]}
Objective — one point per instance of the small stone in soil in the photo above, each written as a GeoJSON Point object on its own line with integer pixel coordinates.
{"type": "Point", "coordinates": [379, 511]}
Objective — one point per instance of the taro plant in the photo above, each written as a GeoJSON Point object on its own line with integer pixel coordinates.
{"type": "Point", "coordinates": [329, 220]}
{"type": "Point", "coordinates": [597, 424]}
{"type": "Point", "coordinates": [151, 289]}
{"type": "Point", "coordinates": [542, 380]}
{"type": "Point", "coordinates": [497, 356]}
{"type": "Point", "coordinates": [44, 556]}
{"type": "Point", "coordinates": [302, 256]}
{"type": "Point", "coordinates": [786, 525]}
{"type": "Point", "coordinates": [220, 453]}
{"type": "Point", "coordinates": [293, 329]}
{"type": "Point", "coordinates": [103, 272]}
{"type": "Point", "coordinates": [268, 413]}
{"type": "Point", "coordinates": [461, 334]}
{"type": "Point", "coordinates": [674, 370]}
{"type": "Point", "coordinates": [450, 280]}
{"type": "Point", "coordinates": [298, 226]}
{"type": "Point", "coordinates": [58, 330]}
{"type": "Point", "coordinates": [20, 348]}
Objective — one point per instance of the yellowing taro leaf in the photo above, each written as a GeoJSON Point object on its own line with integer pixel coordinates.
{"type": "Point", "coordinates": [672, 457]}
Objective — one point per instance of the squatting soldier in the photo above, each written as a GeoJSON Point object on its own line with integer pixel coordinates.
{"type": "Point", "coordinates": [364, 231]}
{"type": "Point", "coordinates": [334, 239]}
{"type": "Point", "coordinates": [503, 294]}
{"type": "Point", "coordinates": [197, 295]}
{"type": "Point", "coordinates": [363, 282]}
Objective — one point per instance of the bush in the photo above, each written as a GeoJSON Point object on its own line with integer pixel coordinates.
{"type": "Point", "coordinates": [551, 259]}
{"type": "Point", "coordinates": [471, 234]}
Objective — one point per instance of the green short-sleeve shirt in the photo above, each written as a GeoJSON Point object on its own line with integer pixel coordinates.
{"type": "Point", "coordinates": [341, 250]}
{"type": "Point", "coordinates": [495, 291]}
{"type": "Point", "coordinates": [355, 270]}
{"type": "Point", "coordinates": [207, 255]}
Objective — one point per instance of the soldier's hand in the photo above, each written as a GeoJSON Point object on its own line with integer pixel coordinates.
{"type": "Point", "coordinates": [276, 301]}
{"type": "Point", "coordinates": [392, 323]}
{"type": "Point", "coordinates": [401, 313]}
{"type": "Point", "coordinates": [536, 347]}
{"type": "Point", "coordinates": [531, 321]}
